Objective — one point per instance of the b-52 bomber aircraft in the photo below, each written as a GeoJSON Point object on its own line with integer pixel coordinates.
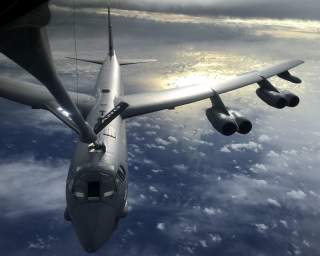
{"type": "Point", "coordinates": [97, 183]}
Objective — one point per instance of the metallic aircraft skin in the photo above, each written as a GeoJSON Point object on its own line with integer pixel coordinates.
{"type": "Point", "coordinates": [96, 219]}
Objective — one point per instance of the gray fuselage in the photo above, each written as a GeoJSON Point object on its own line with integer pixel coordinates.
{"type": "Point", "coordinates": [97, 184]}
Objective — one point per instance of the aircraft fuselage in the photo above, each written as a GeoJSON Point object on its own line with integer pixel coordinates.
{"type": "Point", "coordinates": [97, 184]}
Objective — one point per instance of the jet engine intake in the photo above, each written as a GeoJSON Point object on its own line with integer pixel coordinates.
{"type": "Point", "coordinates": [244, 125]}
{"type": "Point", "coordinates": [225, 124]}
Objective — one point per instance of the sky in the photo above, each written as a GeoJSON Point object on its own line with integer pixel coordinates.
{"type": "Point", "coordinates": [194, 190]}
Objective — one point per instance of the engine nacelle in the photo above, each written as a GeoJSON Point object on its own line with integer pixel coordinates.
{"type": "Point", "coordinates": [287, 76]}
{"type": "Point", "coordinates": [223, 123]}
{"type": "Point", "coordinates": [292, 99]}
{"type": "Point", "coordinates": [244, 125]}
{"type": "Point", "coordinates": [272, 98]}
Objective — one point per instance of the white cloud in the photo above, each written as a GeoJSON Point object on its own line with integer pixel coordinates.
{"type": "Point", "coordinates": [264, 138]}
{"type": "Point", "coordinates": [261, 228]}
{"type": "Point", "coordinates": [162, 142]}
{"type": "Point", "coordinates": [28, 185]}
{"type": "Point", "coordinates": [42, 120]}
{"type": "Point", "coordinates": [289, 24]}
{"type": "Point", "coordinates": [151, 133]}
{"type": "Point", "coordinates": [272, 154]}
{"type": "Point", "coordinates": [259, 182]}
{"type": "Point", "coordinates": [161, 226]}
{"type": "Point", "coordinates": [155, 146]}
{"type": "Point", "coordinates": [41, 243]}
{"type": "Point", "coordinates": [290, 152]}
{"type": "Point", "coordinates": [285, 8]}
{"type": "Point", "coordinates": [156, 126]}
{"type": "Point", "coordinates": [296, 194]}
{"type": "Point", "coordinates": [156, 170]}
{"type": "Point", "coordinates": [172, 139]}
{"type": "Point", "coordinates": [216, 238]}
{"type": "Point", "coordinates": [258, 167]}
{"type": "Point", "coordinates": [147, 161]}
{"type": "Point", "coordinates": [202, 154]}
{"type": "Point", "coordinates": [284, 223]}
{"type": "Point", "coordinates": [137, 149]}
{"type": "Point", "coordinates": [133, 124]}
{"type": "Point", "coordinates": [181, 167]}
{"type": "Point", "coordinates": [225, 150]}
{"type": "Point", "coordinates": [211, 211]}
{"type": "Point", "coordinates": [153, 189]}
{"type": "Point", "coordinates": [203, 243]}
{"type": "Point", "coordinates": [251, 145]}
{"type": "Point", "coordinates": [191, 148]}
{"type": "Point", "coordinates": [273, 202]}
{"type": "Point", "coordinates": [306, 243]}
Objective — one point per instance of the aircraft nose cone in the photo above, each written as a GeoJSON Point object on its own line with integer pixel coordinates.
{"type": "Point", "coordinates": [94, 224]}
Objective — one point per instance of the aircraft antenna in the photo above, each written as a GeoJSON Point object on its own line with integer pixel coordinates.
{"type": "Point", "coordinates": [74, 19]}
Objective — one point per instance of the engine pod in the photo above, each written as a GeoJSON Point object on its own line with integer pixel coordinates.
{"type": "Point", "coordinates": [244, 125]}
{"type": "Point", "coordinates": [272, 98]}
{"type": "Point", "coordinates": [223, 123]}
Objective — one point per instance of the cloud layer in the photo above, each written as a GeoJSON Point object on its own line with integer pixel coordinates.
{"type": "Point", "coordinates": [194, 190]}
{"type": "Point", "coordinates": [30, 186]}
{"type": "Point", "coordinates": [243, 8]}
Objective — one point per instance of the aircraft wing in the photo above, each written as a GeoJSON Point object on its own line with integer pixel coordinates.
{"type": "Point", "coordinates": [126, 62]}
{"type": "Point", "coordinates": [143, 103]}
{"type": "Point", "coordinates": [38, 96]}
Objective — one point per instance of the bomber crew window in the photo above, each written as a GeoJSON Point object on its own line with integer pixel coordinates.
{"type": "Point", "coordinates": [121, 174]}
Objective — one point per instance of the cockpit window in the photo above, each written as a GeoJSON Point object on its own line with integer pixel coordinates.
{"type": "Point", "coordinates": [121, 174]}
{"type": "Point", "coordinates": [108, 193]}
{"type": "Point", "coordinates": [93, 190]}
